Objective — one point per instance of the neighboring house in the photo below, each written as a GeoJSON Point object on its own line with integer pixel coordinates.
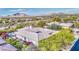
{"type": "Point", "coordinates": [52, 23]}
{"type": "Point", "coordinates": [65, 25]}
{"type": "Point", "coordinates": [76, 32]}
{"type": "Point", "coordinates": [33, 34]}
{"type": "Point", "coordinates": [29, 19]}
{"type": "Point", "coordinates": [2, 28]}
{"type": "Point", "coordinates": [77, 19]}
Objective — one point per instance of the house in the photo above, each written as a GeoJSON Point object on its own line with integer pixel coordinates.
{"type": "Point", "coordinates": [76, 32]}
{"type": "Point", "coordinates": [2, 28]}
{"type": "Point", "coordinates": [33, 34]}
{"type": "Point", "coordinates": [52, 23]}
{"type": "Point", "coordinates": [65, 25]}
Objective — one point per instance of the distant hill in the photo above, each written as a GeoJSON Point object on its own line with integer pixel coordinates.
{"type": "Point", "coordinates": [18, 15]}
{"type": "Point", "coordinates": [60, 14]}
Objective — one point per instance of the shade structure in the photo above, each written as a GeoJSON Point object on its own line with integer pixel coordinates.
{"type": "Point", "coordinates": [7, 47]}
{"type": "Point", "coordinates": [2, 41]}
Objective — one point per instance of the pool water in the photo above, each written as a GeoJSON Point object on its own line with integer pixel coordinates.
{"type": "Point", "coordinates": [75, 47]}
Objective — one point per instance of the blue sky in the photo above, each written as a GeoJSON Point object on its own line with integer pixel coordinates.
{"type": "Point", "coordinates": [36, 11]}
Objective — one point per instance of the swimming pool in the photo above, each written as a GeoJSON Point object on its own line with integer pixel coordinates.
{"type": "Point", "coordinates": [75, 47]}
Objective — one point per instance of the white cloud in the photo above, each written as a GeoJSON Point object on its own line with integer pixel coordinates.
{"type": "Point", "coordinates": [71, 11]}
{"type": "Point", "coordinates": [18, 10]}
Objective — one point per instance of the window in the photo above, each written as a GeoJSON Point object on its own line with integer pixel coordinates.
{"type": "Point", "coordinates": [38, 32]}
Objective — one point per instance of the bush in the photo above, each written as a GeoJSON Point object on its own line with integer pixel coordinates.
{"type": "Point", "coordinates": [16, 43]}
{"type": "Point", "coordinates": [76, 24]}
{"type": "Point", "coordinates": [57, 41]}
{"type": "Point", "coordinates": [41, 23]}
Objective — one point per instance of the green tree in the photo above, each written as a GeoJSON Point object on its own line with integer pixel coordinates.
{"type": "Point", "coordinates": [41, 24]}
{"type": "Point", "coordinates": [76, 24]}
{"type": "Point", "coordinates": [65, 19]}
{"type": "Point", "coordinates": [16, 43]}
{"type": "Point", "coordinates": [34, 18]}
{"type": "Point", "coordinates": [57, 41]}
{"type": "Point", "coordinates": [70, 18]}
{"type": "Point", "coordinates": [1, 20]}
{"type": "Point", "coordinates": [57, 19]}
{"type": "Point", "coordinates": [73, 17]}
{"type": "Point", "coordinates": [18, 26]}
{"type": "Point", "coordinates": [13, 42]}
